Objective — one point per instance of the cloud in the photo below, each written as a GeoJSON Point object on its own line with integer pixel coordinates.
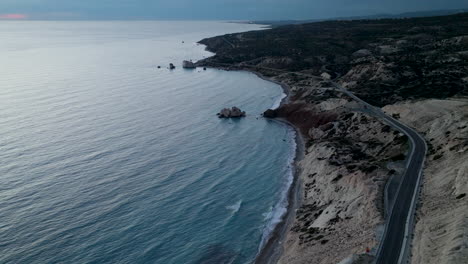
{"type": "Point", "coordinates": [213, 9]}
{"type": "Point", "coordinates": [13, 16]}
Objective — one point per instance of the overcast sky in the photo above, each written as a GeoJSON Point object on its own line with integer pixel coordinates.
{"type": "Point", "coordinates": [213, 9]}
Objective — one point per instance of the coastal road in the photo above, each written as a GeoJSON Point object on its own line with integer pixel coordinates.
{"type": "Point", "coordinates": [397, 236]}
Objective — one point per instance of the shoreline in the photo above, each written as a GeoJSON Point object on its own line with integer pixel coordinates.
{"type": "Point", "coordinates": [345, 175]}
{"type": "Point", "coordinates": [272, 249]}
{"type": "Point", "coordinates": [285, 87]}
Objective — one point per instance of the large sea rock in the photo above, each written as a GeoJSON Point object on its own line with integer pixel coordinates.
{"type": "Point", "coordinates": [233, 112]}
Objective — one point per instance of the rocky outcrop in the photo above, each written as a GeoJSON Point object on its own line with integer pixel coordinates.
{"type": "Point", "coordinates": [270, 113]}
{"type": "Point", "coordinates": [233, 112]}
{"type": "Point", "coordinates": [302, 116]}
{"type": "Point", "coordinates": [188, 65]}
{"type": "Point", "coordinates": [171, 66]}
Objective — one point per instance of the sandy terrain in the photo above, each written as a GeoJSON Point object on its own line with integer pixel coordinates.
{"type": "Point", "coordinates": [441, 233]}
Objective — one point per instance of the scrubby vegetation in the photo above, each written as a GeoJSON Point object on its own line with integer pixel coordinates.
{"type": "Point", "coordinates": [382, 61]}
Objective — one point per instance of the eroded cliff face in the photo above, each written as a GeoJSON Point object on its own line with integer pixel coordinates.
{"type": "Point", "coordinates": [442, 218]}
{"type": "Point", "coordinates": [343, 173]}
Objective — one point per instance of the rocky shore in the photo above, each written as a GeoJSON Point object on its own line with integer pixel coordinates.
{"type": "Point", "coordinates": [350, 155]}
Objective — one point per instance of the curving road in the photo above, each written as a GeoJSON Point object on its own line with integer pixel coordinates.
{"type": "Point", "coordinates": [396, 238]}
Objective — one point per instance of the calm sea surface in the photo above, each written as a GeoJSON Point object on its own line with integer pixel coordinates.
{"type": "Point", "coordinates": [106, 159]}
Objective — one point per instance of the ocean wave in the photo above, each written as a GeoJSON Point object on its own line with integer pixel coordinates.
{"type": "Point", "coordinates": [235, 207]}
{"type": "Point", "coordinates": [278, 101]}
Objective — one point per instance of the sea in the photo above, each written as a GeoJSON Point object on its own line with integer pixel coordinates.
{"type": "Point", "coordinates": [106, 158]}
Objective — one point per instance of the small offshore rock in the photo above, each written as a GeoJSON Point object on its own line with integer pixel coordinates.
{"type": "Point", "coordinates": [233, 112]}
{"type": "Point", "coordinates": [171, 66]}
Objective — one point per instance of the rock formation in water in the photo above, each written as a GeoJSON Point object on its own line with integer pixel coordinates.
{"type": "Point", "coordinates": [234, 112]}
{"type": "Point", "coordinates": [188, 65]}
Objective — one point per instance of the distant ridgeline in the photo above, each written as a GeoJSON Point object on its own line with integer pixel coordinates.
{"type": "Point", "coordinates": [275, 23]}
{"type": "Point", "coordinates": [383, 61]}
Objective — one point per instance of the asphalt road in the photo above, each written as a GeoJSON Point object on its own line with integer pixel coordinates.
{"type": "Point", "coordinates": [398, 229]}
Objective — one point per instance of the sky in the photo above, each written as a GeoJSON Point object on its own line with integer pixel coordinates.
{"type": "Point", "coordinates": [213, 9]}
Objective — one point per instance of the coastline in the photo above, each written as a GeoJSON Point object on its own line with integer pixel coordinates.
{"type": "Point", "coordinates": [276, 247]}
{"type": "Point", "coordinates": [285, 87]}
{"type": "Point", "coordinates": [272, 249]}
{"type": "Point", "coordinates": [345, 174]}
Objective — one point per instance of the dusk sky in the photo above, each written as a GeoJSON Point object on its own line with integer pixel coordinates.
{"type": "Point", "coordinates": [213, 9]}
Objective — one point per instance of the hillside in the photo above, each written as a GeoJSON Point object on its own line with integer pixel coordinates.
{"type": "Point", "coordinates": [385, 61]}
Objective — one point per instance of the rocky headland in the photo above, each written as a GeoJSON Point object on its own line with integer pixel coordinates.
{"type": "Point", "coordinates": [416, 70]}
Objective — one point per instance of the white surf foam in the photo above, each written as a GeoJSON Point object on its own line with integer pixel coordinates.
{"type": "Point", "coordinates": [275, 214]}
{"type": "Point", "coordinates": [277, 103]}
{"type": "Point", "coordinates": [235, 207]}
